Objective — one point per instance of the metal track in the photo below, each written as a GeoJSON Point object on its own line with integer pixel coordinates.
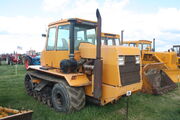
{"type": "Point", "coordinates": [43, 95]}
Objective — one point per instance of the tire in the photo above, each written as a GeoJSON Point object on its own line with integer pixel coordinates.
{"type": "Point", "coordinates": [28, 85]}
{"type": "Point", "coordinates": [66, 98]}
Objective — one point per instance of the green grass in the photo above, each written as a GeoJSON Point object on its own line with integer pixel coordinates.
{"type": "Point", "coordinates": [141, 106]}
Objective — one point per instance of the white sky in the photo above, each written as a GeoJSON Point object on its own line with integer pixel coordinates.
{"type": "Point", "coordinates": [25, 30]}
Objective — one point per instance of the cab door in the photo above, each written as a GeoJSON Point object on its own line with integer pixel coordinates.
{"type": "Point", "coordinates": [62, 47]}
{"type": "Point", "coordinates": [48, 55]}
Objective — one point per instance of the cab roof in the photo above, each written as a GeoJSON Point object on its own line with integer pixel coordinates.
{"type": "Point", "coordinates": [110, 35]}
{"type": "Point", "coordinates": [176, 45]}
{"type": "Point", "coordinates": [138, 42]}
{"type": "Point", "coordinates": [78, 20]}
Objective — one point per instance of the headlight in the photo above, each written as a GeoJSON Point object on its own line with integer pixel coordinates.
{"type": "Point", "coordinates": [121, 60]}
{"type": "Point", "coordinates": [137, 59]}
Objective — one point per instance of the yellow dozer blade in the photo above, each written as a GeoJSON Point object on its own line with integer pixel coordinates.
{"type": "Point", "coordinates": [12, 114]}
{"type": "Point", "coordinates": [155, 80]}
{"type": "Point", "coordinates": [173, 74]}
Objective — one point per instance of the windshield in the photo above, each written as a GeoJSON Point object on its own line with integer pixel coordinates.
{"type": "Point", "coordinates": [117, 42]}
{"type": "Point", "coordinates": [109, 41]}
{"type": "Point", "coordinates": [132, 45]}
{"type": "Point", "coordinates": [177, 49]}
{"type": "Point", "coordinates": [63, 37]}
{"type": "Point", "coordinates": [146, 47]}
{"type": "Point", "coordinates": [83, 34]}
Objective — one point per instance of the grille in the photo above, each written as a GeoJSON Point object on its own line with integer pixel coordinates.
{"type": "Point", "coordinates": [130, 72]}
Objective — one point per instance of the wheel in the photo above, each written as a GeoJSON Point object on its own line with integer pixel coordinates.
{"type": "Point", "coordinates": [28, 85]}
{"type": "Point", "coordinates": [66, 98]}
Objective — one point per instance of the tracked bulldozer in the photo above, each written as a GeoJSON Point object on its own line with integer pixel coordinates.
{"type": "Point", "coordinates": [75, 67]}
{"type": "Point", "coordinates": [159, 69]}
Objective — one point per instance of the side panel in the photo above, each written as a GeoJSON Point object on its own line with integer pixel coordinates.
{"type": "Point", "coordinates": [111, 93]}
{"type": "Point", "coordinates": [47, 58]}
{"type": "Point", "coordinates": [53, 58]}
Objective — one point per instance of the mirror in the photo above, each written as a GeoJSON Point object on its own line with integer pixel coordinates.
{"type": "Point", "coordinates": [43, 35]}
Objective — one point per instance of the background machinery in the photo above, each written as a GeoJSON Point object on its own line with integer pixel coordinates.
{"type": "Point", "coordinates": [75, 67]}
{"type": "Point", "coordinates": [160, 71]}
{"type": "Point", "coordinates": [110, 39]}
{"type": "Point", "coordinates": [176, 48]}
{"type": "Point", "coordinates": [31, 58]}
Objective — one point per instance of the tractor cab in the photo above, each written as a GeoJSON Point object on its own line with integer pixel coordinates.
{"type": "Point", "coordinates": [110, 39]}
{"type": "Point", "coordinates": [176, 49]}
{"type": "Point", "coordinates": [64, 38]}
{"type": "Point", "coordinates": [144, 45]}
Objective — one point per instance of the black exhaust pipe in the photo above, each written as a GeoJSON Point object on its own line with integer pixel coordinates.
{"type": "Point", "coordinates": [154, 44]}
{"type": "Point", "coordinates": [71, 55]}
{"type": "Point", "coordinates": [98, 62]}
{"type": "Point", "coordinates": [98, 51]}
{"type": "Point", "coordinates": [122, 37]}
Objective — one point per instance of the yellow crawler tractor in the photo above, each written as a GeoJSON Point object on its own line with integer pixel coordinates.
{"type": "Point", "coordinates": [110, 39]}
{"type": "Point", "coordinates": [176, 48]}
{"type": "Point", "coordinates": [75, 67]}
{"type": "Point", "coordinates": [160, 71]}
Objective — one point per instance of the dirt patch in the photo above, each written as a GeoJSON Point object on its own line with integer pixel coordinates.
{"type": "Point", "coordinates": [121, 111]}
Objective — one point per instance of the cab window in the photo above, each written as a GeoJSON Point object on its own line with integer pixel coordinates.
{"type": "Point", "coordinates": [83, 34]}
{"type": "Point", "coordinates": [126, 44]}
{"type": "Point", "coordinates": [63, 37]}
{"type": "Point", "coordinates": [132, 45]}
{"type": "Point", "coordinates": [110, 42]}
{"type": "Point", "coordinates": [102, 42]}
{"type": "Point", "coordinates": [140, 46]}
{"type": "Point", "coordinates": [117, 42]}
{"type": "Point", "coordinates": [146, 46]}
{"type": "Point", "coordinates": [51, 38]}
{"type": "Point", "coordinates": [177, 49]}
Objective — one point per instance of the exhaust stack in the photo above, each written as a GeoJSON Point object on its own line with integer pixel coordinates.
{"type": "Point", "coordinates": [122, 31]}
{"type": "Point", "coordinates": [98, 51]}
{"type": "Point", "coordinates": [98, 62]}
{"type": "Point", "coordinates": [154, 44]}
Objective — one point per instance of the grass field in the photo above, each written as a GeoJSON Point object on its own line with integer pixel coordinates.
{"type": "Point", "coordinates": [141, 106]}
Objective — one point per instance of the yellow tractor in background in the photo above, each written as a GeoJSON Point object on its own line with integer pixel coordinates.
{"type": "Point", "coordinates": [176, 48]}
{"type": "Point", "coordinates": [110, 39]}
{"type": "Point", "coordinates": [75, 67]}
{"type": "Point", "coordinates": [160, 71]}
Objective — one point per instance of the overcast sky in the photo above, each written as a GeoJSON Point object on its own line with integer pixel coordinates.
{"type": "Point", "coordinates": [23, 21]}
